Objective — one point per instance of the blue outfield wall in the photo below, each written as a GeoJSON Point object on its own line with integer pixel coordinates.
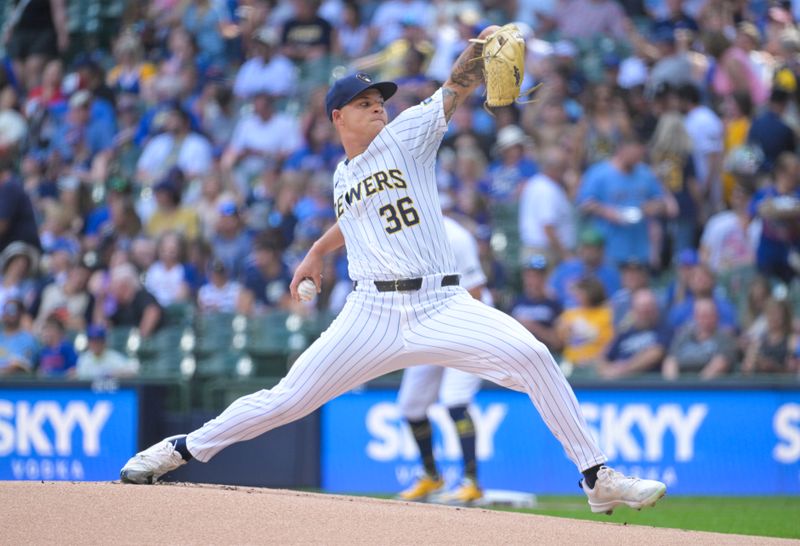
{"type": "Point", "coordinates": [66, 434]}
{"type": "Point", "coordinates": [700, 442]}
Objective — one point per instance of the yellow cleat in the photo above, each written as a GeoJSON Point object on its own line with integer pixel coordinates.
{"type": "Point", "coordinates": [466, 493]}
{"type": "Point", "coordinates": [421, 489]}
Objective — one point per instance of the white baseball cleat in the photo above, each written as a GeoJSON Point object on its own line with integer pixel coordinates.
{"type": "Point", "coordinates": [613, 488]}
{"type": "Point", "coordinates": [152, 463]}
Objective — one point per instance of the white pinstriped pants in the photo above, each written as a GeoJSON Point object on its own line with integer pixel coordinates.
{"type": "Point", "coordinates": [377, 333]}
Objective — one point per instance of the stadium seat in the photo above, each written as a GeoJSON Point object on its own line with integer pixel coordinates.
{"type": "Point", "coordinates": [272, 340]}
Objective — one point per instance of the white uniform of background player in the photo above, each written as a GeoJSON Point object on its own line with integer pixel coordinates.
{"type": "Point", "coordinates": [389, 215]}
{"type": "Point", "coordinates": [423, 385]}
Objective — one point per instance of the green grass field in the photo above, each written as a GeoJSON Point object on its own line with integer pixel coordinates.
{"type": "Point", "coordinates": [765, 516]}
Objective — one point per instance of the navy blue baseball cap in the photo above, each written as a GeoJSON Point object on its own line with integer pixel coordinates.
{"type": "Point", "coordinates": [347, 88]}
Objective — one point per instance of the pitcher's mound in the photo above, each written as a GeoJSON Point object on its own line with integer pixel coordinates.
{"type": "Point", "coordinates": [114, 514]}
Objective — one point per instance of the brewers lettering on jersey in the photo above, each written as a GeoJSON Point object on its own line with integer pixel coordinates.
{"type": "Point", "coordinates": [407, 306]}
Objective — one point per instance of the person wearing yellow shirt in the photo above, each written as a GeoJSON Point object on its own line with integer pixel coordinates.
{"type": "Point", "coordinates": [586, 330]}
{"type": "Point", "coordinates": [169, 215]}
{"type": "Point", "coordinates": [738, 114]}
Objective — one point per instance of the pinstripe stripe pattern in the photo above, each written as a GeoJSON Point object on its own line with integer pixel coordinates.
{"type": "Point", "coordinates": [377, 333]}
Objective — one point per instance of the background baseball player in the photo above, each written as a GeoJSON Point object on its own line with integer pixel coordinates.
{"type": "Point", "coordinates": [407, 306]}
{"type": "Point", "coordinates": [422, 385]}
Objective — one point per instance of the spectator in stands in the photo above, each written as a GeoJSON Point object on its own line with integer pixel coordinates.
{"type": "Point", "coordinates": [36, 32]}
{"type": "Point", "coordinates": [753, 317]}
{"type": "Point", "coordinates": [17, 218]}
{"type": "Point", "coordinates": [168, 279]}
{"type": "Point", "coordinates": [143, 253]}
{"type": "Point", "coordinates": [671, 158]}
{"type": "Point", "coordinates": [778, 252]}
{"type": "Point", "coordinates": [265, 278]}
{"type": "Point", "coordinates": [261, 140]}
{"type": "Point", "coordinates": [319, 153]}
{"type": "Point", "coordinates": [204, 19]}
{"type": "Point", "coordinates": [587, 19]}
{"type": "Point", "coordinates": [621, 196]}
{"type": "Point", "coordinates": [131, 74]}
{"type": "Point", "coordinates": [178, 146]}
{"type": "Point", "coordinates": [387, 22]}
{"type": "Point", "coordinates": [635, 276]}
{"type": "Point", "coordinates": [212, 196]}
{"type": "Point", "coordinates": [231, 242]}
{"type": "Point", "coordinates": [57, 357]}
{"type": "Point", "coordinates": [127, 304]}
{"type": "Point", "coordinates": [535, 308]}
{"type": "Point", "coordinates": [675, 17]}
{"type": "Point", "coordinates": [706, 132]}
{"type": "Point", "coordinates": [726, 244]}
{"type": "Point", "coordinates": [352, 34]}
{"type": "Point", "coordinates": [770, 133]}
{"type": "Point", "coordinates": [267, 70]}
{"type": "Point", "coordinates": [18, 265]}
{"type": "Point", "coordinates": [772, 351]}
{"type": "Point", "coordinates": [738, 115]}
{"type": "Point", "coordinates": [546, 214]}
{"type": "Point", "coordinates": [18, 347]}
{"type": "Point", "coordinates": [170, 215]}
{"type": "Point", "coordinates": [587, 329]}
{"type": "Point", "coordinates": [734, 71]}
{"type": "Point", "coordinates": [703, 349]}
{"type": "Point", "coordinates": [601, 129]}
{"type": "Point", "coordinates": [13, 125]}
{"type": "Point", "coordinates": [640, 347]}
{"type": "Point", "coordinates": [589, 261]}
{"type": "Point", "coordinates": [307, 36]}
{"type": "Point", "coordinates": [672, 66]}
{"type": "Point", "coordinates": [69, 300]}
{"type": "Point", "coordinates": [702, 283]}
{"type": "Point", "coordinates": [82, 135]}
{"type": "Point", "coordinates": [220, 294]}
{"type": "Point", "coordinates": [512, 167]}
{"type": "Point", "coordinates": [678, 289]}
{"type": "Point", "coordinates": [99, 361]}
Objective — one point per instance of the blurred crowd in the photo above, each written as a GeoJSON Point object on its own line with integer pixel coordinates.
{"type": "Point", "coordinates": [639, 212]}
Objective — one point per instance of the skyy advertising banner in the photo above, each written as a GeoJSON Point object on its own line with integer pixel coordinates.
{"type": "Point", "coordinates": [66, 434]}
{"type": "Point", "coordinates": [698, 442]}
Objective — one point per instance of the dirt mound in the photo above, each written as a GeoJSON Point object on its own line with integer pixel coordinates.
{"type": "Point", "coordinates": [112, 513]}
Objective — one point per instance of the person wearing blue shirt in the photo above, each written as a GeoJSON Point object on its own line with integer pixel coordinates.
{"type": "Point", "coordinates": [620, 195]}
{"type": "Point", "coordinates": [17, 345]}
{"type": "Point", "coordinates": [780, 232]}
{"type": "Point", "coordinates": [57, 357]}
{"type": "Point", "coordinates": [701, 285]}
{"type": "Point", "coordinates": [590, 261]}
{"type": "Point", "coordinates": [231, 242]}
{"type": "Point", "coordinates": [641, 347]}
{"type": "Point", "coordinates": [265, 278]}
{"type": "Point", "coordinates": [80, 136]}
{"type": "Point", "coordinates": [512, 167]}
{"type": "Point", "coordinates": [535, 309]}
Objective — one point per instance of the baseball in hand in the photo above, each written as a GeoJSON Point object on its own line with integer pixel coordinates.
{"type": "Point", "coordinates": [306, 290]}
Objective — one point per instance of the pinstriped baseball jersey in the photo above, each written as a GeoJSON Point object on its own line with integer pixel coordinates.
{"type": "Point", "coordinates": [389, 213]}
{"type": "Point", "coordinates": [387, 201]}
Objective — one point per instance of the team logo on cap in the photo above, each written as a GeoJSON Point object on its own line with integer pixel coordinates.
{"type": "Point", "coordinates": [363, 77]}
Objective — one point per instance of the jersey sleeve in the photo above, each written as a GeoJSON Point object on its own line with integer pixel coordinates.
{"type": "Point", "coordinates": [422, 127]}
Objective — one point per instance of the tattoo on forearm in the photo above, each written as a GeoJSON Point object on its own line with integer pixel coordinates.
{"type": "Point", "coordinates": [467, 73]}
{"type": "Point", "coordinates": [468, 69]}
{"type": "Point", "coordinates": [450, 99]}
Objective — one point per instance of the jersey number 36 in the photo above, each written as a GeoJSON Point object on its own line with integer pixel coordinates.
{"type": "Point", "coordinates": [408, 215]}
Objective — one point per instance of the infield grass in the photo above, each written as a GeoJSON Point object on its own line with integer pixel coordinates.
{"type": "Point", "coordinates": [765, 516]}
